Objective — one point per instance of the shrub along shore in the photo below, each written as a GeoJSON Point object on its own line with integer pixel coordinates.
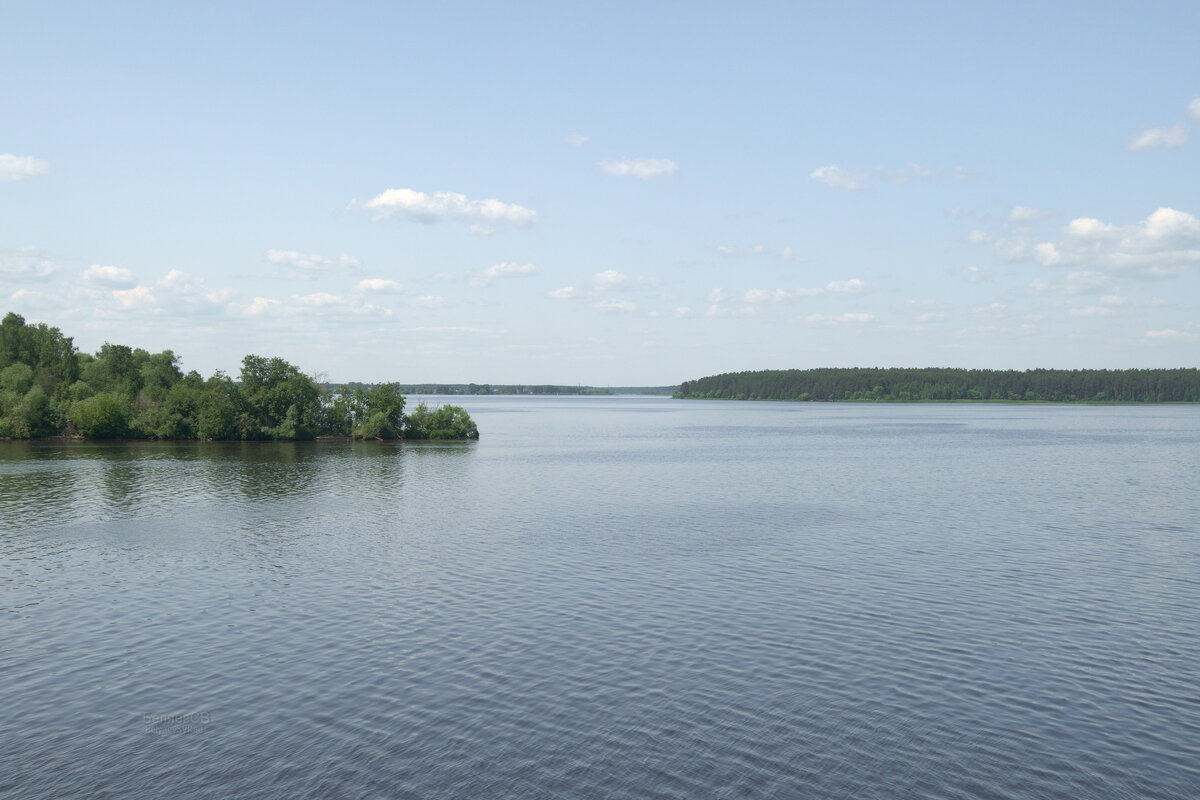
{"type": "Point", "coordinates": [49, 388]}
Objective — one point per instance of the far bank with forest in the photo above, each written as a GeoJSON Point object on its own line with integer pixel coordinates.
{"type": "Point", "coordinates": [950, 385]}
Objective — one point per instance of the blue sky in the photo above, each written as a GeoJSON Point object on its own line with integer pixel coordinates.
{"type": "Point", "coordinates": [614, 194]}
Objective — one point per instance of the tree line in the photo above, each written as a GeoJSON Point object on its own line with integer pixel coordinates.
{"type": "Point", "coordinates": [48, 388]}
{"type": "Point", "coordinates": [943, 384]}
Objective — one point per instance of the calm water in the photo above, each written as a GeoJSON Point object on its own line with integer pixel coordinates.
{"type": "Point", "coordinates": [614, 598]}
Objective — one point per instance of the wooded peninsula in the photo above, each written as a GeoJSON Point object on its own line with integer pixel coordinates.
{"type": "Point", "coordinates": [948, 385]}
{"type": "Point", "coordinates": [49, 388]}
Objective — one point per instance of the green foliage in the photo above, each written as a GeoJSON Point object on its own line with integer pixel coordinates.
{"type": "Point", "coordinates": [103, 416]}
{"type": "Point", "coordinates": [285, 403]}
{"type": "Point", "coordinates": [47, 387]}
{"type": "Point", "coordinates": [443, 422]}
{"type": "Point", "coordinates": [16, 378]}
{"type": "Point", "coordinates": [911, 385]}
{"type": "Point", "coordinates": [383, 409]}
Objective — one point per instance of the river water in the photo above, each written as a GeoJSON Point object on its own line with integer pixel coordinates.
{"type": "Point", "coordinates": [614, 598]}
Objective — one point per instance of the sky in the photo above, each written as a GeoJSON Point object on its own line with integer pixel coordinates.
{"type": "Point", "coordinates": [606, 194]}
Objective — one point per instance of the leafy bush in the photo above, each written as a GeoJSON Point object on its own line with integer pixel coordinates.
{"type": "Point", "coordinates": [444, 422]}
{"type": "Point", "coordinates": [104, 416]}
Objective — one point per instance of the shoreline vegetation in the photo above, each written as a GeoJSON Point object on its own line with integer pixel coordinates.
{"type": "Point", "coordinates": [48, 388]}
{"type": "Point", "coordinates": [527, 389]}
{"type": "Point", "coordinates": [946, 385]}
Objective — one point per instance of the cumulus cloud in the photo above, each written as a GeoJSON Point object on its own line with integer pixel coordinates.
{"type": "Point", "coordinates": [1106, 307]}
{"type": "Point", "coordinates": [422, 207]}
{"type": "Point", "coordinates": [1164, 244]}
{"type": "Point", "coordinates": [431, 301]}
{"type": "Point", "coordinates": [978, 237]}
{"type": "Point", "coordinates": [565, 293]}
{"type": "Point", "coordinates": [1170, 136]}
{"type": "Point", "coordinates": [839, 319]}
{"type": "Point", "coordinates": [757, 296]}
{"type": "Point", "coordinates": [25, 265]}
{"type": "Point", "coordinates": [615, 305]}
{"type": "Point", "coordinates": [835, 177]}
{"type": "Point", "coordinates": [311, 264]}
{"type": "Point", "coordinates": [1168, 335]}
{"type": "Point", "coordinates": [137, 297]}
{"type": "Point", "coordinates": [1194, 107]}
{"type": "Point", "coordinates": [611, 279]}
{"type": "Point", "coordinates": [17, 168]}
{"type": "Point", "coordinates": [641, 168]}
{"type": "Point", "coordinates": [98, 274]}
{"type": "Point", "coordinates": [1022, 214]}
{"type": "Point", "coordinates": [378, 285]}
{"type": "Point", "coordinates": [975, 274]}
{"type": "Point", "coordinates": [504, 269]}
{"type": "Point", "coordinates": [577, 139]}
{"type": "Point", "coordinates": [315, 304]}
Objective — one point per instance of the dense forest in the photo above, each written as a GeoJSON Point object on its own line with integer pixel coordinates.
{"type": "Point", "coordinates": [48, 387]}
{"type": "Point", "coordinates": [936, 384]}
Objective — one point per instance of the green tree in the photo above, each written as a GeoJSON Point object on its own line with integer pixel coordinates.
{"type": "Point", "coordinates": [103, 416]}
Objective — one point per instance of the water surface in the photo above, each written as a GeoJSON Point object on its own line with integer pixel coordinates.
{"type": "Point", "coordinates": [614, 597]}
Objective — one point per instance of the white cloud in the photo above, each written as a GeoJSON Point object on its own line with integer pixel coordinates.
{"type": "Point", "coordinates": [431, 301]}
{"type": "Point", "coordinates": [260, 306]}
{"type": "Point", "coordinates": [564, 293]}
{"type": "Point", "coordinates": [930, 316]}
{"type": "Point", "coordinates": [1169, 334]}
{"type": "Point", "coordinates": [480, 230]}
{"type": "Point", "coordinates": [978, 237]}
{"type": "Point", "coordinates": [504, 269]}
{"type": "Point", "coordinates": [1022, 214]}
{"type": "Point", "coordinates": [838, 319]}
{"type": "Point", "coordinates": [851, 179]}
{"type": "Point", "coordinates": [683, 311]}
{"type": "Point", "coordinates": [26, 265]}
{"type": "Point", "coordinates": [319, 300]}
{"type": "Point", "coordinates": [615, 305]}
{"type": "Point", "coordinates": [1194, 107]}
{"type": "Point", "coordinates": [108, 275]}
{"type": "Point", "coordinates": [378, 285]}
{"type": "Point", "coordinates": [16, 168]}
{"type": "Point", "coordinates": [719, 295]}
{"type": "Point", "coordinates": [835, 177]}
{"type": "Point", "coordinates": [311, 264]}
{"type": "Point", "coordinates": [423, 207]}
{"type": "Point", "coordinates": [179, 293]}
{"type": "Point", "coordinates": [577, 139]}
{"type": "Point", "coordinates": [1165, 243]}
{"type": "Point", "coordinates": [975, 274]}
{"type": "Point", "coordinates": [786, 254]}
{"type": "Point", "coordinates": [1171, 136]}
{"type": "Point", "coordinates": [611, 279]}
{"type": "Point", "coordinates": [766, 296]}
{"type": "Point", "coordinates": [642, 168]}
{"type": "Point", "coordinates": [137, 297]}
{"type": "Point", "coordinates": [852, 286]}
